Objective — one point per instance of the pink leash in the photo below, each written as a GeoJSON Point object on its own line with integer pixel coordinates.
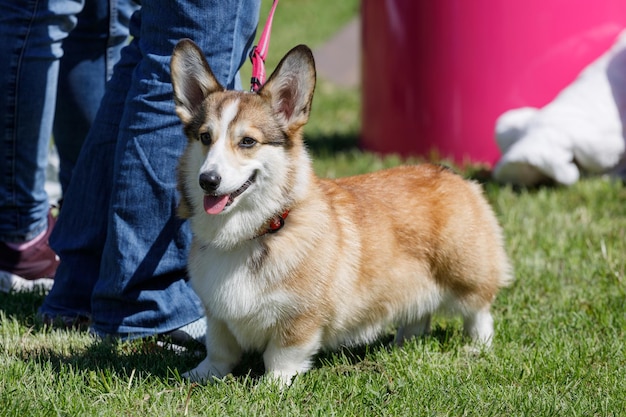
{"type": "Point", "coordinates": [258, 53]}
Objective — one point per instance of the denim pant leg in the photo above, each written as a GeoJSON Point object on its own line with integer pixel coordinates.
{"type": "Point", "coordinates": [80, 231]}
{"type": "Point", "coordinates": [90, 52]}
{"type": "Point", "coordinates": [142, 287]}
{"type": "Point", "coordinates": [31, 33]}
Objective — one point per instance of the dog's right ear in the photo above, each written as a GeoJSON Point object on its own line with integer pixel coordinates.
{"type": "Point", "coordinates": [192, 79]}
{"type": "Point", "coordinates": [290, 87]}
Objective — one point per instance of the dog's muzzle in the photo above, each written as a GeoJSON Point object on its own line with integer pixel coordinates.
{"type": "Point", "coordinates": [215, 203]}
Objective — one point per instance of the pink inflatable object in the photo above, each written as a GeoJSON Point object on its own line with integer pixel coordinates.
{"type": "Point", "coordinates": [436, 74]}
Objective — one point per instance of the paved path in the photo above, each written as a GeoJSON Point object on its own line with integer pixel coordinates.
{"type": "Point", "coordinates": [339, 59]}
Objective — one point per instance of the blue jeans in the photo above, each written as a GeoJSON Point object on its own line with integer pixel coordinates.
{"type": "Point", "coordinates": [49, 46]}
{"type": "Point", "coordinates": [90, 51]}
{"type": "Point", "coordinates": [123, 249]}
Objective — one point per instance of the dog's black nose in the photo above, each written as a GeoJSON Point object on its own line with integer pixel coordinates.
{"type": "Point", "coordinates": [210, 181]}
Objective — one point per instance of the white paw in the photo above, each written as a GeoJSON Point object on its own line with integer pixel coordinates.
{"type": "Point", "coordinates": [204, 372]}
{"type": "Point", "coordinates": [280, 378]}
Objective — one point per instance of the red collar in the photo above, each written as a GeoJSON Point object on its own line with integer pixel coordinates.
{"type": "Point", "coordinates": [275, 223]}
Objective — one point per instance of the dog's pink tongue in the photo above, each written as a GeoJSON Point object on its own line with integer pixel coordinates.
{"type": "Point", "coordinates": [215, 204]}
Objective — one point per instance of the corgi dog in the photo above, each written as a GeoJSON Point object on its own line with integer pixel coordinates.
{"type": "Point", "coordinates": [287, 263]}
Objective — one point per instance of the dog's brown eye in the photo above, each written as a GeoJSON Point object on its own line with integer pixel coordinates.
{"type": "Point", "coordinates": [247, 142]}
{"type": "Point", "coordinates": [205, 138]}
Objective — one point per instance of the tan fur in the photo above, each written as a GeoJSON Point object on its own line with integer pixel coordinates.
{"type": "Point", "coordinates": [355, 254]}
{"type": "Point", "coordinates": [377, 240]}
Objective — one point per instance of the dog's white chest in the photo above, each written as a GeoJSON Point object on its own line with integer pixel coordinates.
{"type": "Point", "coordinates": [235, 292]}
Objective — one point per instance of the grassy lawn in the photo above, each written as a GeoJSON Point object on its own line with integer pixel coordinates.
{"type": "Point", "coordinates": [559, 348]}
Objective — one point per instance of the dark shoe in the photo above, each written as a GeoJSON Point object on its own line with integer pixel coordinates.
{"type": "Point", "coordinates": [25, 270]}
{"type": "Point", "coordinates": [79, 322]}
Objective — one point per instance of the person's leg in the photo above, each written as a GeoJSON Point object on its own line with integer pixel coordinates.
{"type": "Point", "coordinates": [90, 52]}
{"type": "Point", "coordinates": [81, 228]}
{"type": "Point", "coordinates": [141, 287]}
{"type": "Point", "coordinates": [31, 34]}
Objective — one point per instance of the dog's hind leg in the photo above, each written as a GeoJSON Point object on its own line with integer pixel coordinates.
{"type": "Point", "coordinates": [416, 328]}
{"type": "Point", "coordinates": [478, 325]}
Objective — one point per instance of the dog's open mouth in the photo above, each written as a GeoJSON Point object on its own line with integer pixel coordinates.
{"type": "Point", "coordinates": [215, 204]}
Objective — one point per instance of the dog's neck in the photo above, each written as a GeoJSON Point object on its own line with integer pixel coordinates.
{"type": "Point", "coordinates": [274, 224]}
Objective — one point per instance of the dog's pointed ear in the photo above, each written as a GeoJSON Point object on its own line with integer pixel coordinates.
{"type": "Point", "coordinates": [290, 87]}
{"type": "Point", "coordinates": [192, 79]}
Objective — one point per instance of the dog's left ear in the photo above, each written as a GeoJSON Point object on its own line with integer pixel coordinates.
{"type": "Point", "coordinates": [192, 79]}
{"type": "Point", "coordinates": [290, 87]}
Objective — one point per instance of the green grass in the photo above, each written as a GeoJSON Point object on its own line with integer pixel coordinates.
{"type": "Point", "coordinates": [560, 338]}
{"type": "Point", "coordinates": [559, 346]}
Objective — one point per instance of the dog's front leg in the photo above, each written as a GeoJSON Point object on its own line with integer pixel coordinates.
{"type": "Point", "coordinates": [223, 353]}
{"type": "Point", "coordinates": [284, 359]}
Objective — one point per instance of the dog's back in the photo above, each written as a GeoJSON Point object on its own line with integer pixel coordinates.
{"type": "Point", "coordinates": [404, 243]}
